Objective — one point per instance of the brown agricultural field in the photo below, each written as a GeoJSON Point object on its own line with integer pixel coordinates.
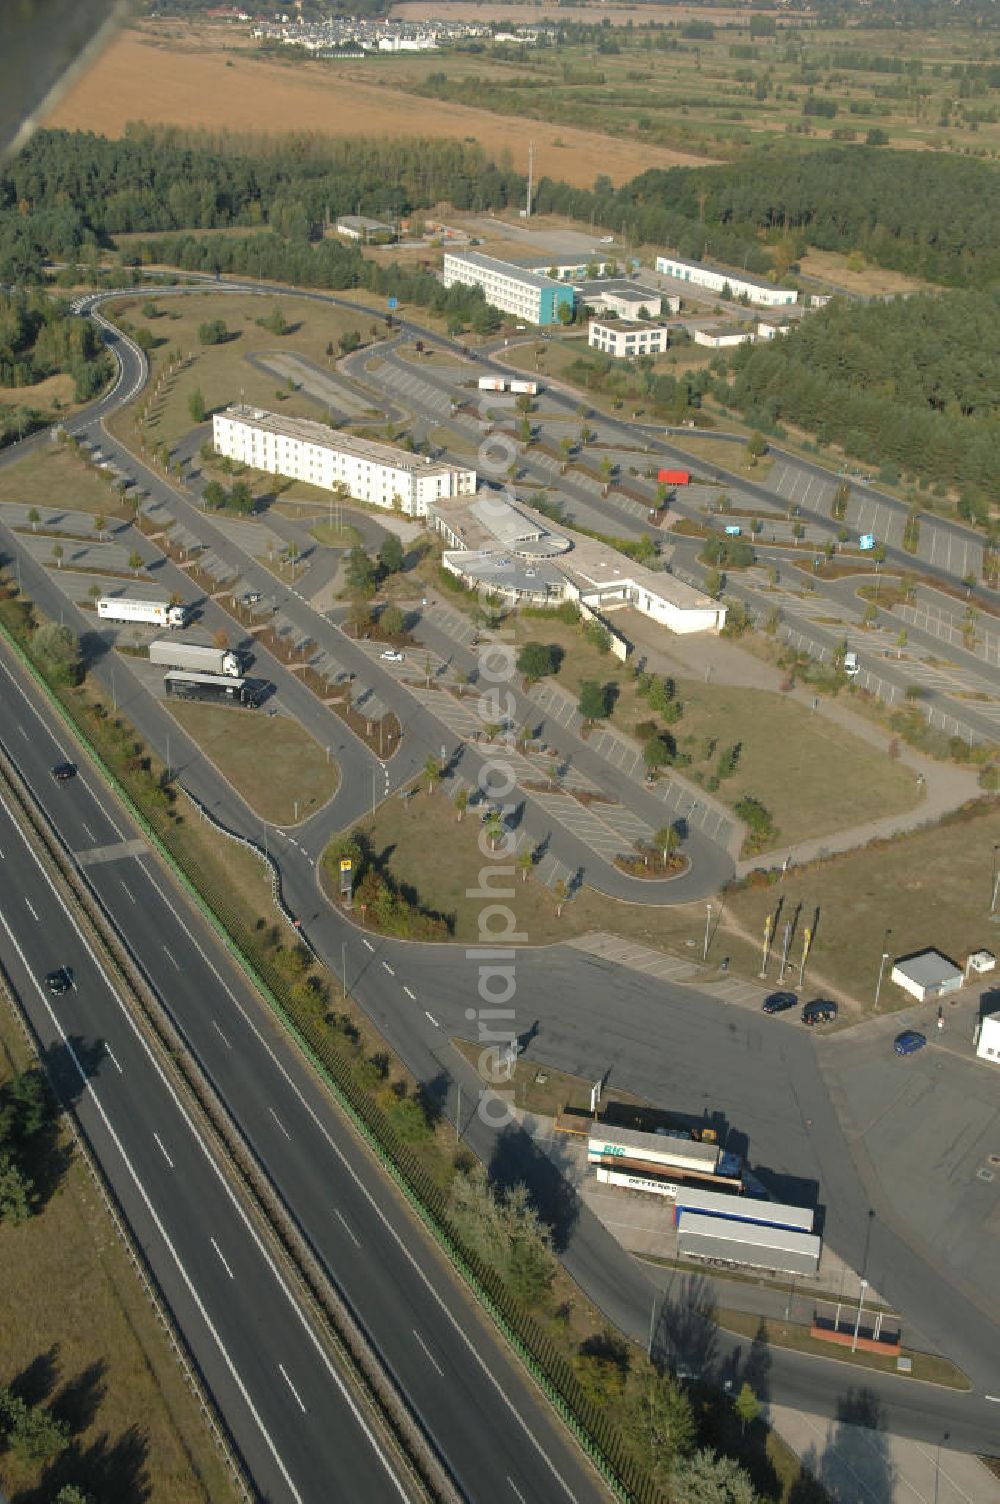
{"type": "Point", "coordinates": [550, 10]}
{"type": "Point", "coordinates": [162, 78]}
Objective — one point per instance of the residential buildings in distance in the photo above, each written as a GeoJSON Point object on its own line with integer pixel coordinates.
{"type": "Point", "coordinates": [379, 474]}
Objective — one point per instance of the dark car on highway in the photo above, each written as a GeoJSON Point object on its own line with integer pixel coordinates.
{"type": "Point", "coordinates": [59, 981]}
{"type": "Point", "coordinates": [909, 1042]}
{"type": "Point", "coordinates": [779, 1002]}
{"type": "Point", "coordinates": [819, 1011]}
{"type": "Point", "coordinates": [63, 771]}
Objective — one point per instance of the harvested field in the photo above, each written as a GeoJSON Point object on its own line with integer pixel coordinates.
{"type": "Point", "coordinates": [145, 75]}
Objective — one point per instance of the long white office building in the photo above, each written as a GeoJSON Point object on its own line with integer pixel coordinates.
{"type": "Point", "coordinates": [527, 294]}
{"type": "Point", "coordinates": [715, 278]}
{"type": "Point", "coordinates": [379, 474]}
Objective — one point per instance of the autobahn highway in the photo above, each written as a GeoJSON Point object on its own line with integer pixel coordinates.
{"type": "Point", "coordinates": [468, 1392]}
{"type": "Point", "coordinates": [290, 1413]}
{"type": "Point", "coordinates": [553, 985]}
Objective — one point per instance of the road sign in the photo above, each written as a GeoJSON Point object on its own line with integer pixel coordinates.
{"type": "Point", "coordinates": [733, 532]}
{"type": "Point", "coordinates": [866, 541]}
{"type": "Point", "coordinates": [346, 864]}
{"type": "Point", "coordinates": [392, 302]}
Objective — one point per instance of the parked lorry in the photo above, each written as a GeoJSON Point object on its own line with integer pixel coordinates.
{"type": "Point", "coordinates": [674, 477]}
{"type": "Point", "coordinates": [193, 655]}
{"type": "Point", "coordinates": [524, 388]}
{"type": "Point", "coordinates": [492, 384]}
{"type": "Point", "coordinates": [149, 613]}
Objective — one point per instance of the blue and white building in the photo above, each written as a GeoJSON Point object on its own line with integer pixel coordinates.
{"type": "Point", "coordinates": [528, 295]}
{"type": "Point", "coordinates": [717, 278]}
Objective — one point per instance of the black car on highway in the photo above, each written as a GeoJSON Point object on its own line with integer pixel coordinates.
{"type": "Point", "coordinates": [780, 1002]}
{"type": "Point", "coordinates": [63, 771]}
{"type": "Point", "coordinates": [59, 981]}
{"type": "Point", "coordinates": [820, 1011]}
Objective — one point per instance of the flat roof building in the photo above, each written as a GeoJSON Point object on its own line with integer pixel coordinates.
{"type": "Point", "coordinates": [529, 296]}
{"type": "Point", "coordinates": [517, 553]}
{"type": "Point", "coordinates": [629, 300]}
{"type": "Point", "coordinates": [360, 227]}
{"type": "Point", "coordinates": [568, 268]}
{"type": "Point", "coordinates": [379, 474]}
{"type": "Point", "coordinates": [926, 975]}
{"type": "Point", "coordinates": [718, 278]}
{"type": "Point", "coordinates": [721, 338]}
{"type": "Point", "coordinates": [625, 339]}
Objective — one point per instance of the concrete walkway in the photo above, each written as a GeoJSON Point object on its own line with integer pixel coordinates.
{"type": "Point", "coordinates": [944, 786]}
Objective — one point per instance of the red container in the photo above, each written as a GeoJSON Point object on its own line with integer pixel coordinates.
{"type": "Point", "coordinates": [674, 477]}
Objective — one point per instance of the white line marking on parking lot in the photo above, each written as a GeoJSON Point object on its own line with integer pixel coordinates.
{"type": "Point", "coordinates": [432, 1019]}
{"type": "Point", "coordinates": [409, 994]}
{"type": "Point", "coordinates": [368, 943]}
{"type": "Point", "coordinates": [388, 968]}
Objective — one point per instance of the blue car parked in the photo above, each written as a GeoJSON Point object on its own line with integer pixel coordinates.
{"type": "Point", "coordinates": [909, 1042]}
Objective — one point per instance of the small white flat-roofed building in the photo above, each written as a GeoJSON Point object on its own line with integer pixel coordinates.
{"type": "Point", "coordinates": [569, 268]}
{"type": "Point", "coordinates": [529, 295]}
{"type": "Point", "coordinates": [988, 1043]}
{"type": "Point", "coordinates": [766, 330]}
{"type": "Point", "coordinates": [625, 339]}
{"type": "Point", "coordinates": [718, 279]}
{"type": "Point", "coordinates": [379, 474]}
{"type": "Point", "coordinates": [517, 553]}
{"type": "Point", "coordinates": [721, 338]}
{"type": "Point", "coordinates": [360, 227]}
{"type": "Point", "coordinates": [926, 975]}
{"type": "Point", "coordinates": [627, 300]}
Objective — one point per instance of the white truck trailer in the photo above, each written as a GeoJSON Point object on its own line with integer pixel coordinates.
{"type": "Point", "coordinates": [492, 384]}
{"type": "Point", "coordinates": [192, 655]}
{"type": "Point", "coordinates": [148, 613]}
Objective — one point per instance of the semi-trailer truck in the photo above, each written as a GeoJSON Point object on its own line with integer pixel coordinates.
{"type": "Point", "coordinates": [215, 689]}
{"type": "Point", "coordinates": [149, 613]}
{"type": "Point", "coordinates": [524, 388]}
{"type": "Point", "coordinates": [492, 384]}
{"type": "Point", "coordinates": [192, 655]}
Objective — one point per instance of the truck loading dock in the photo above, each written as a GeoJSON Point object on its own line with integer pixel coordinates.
{"type": "Point", "coordinates": [777, 1249]}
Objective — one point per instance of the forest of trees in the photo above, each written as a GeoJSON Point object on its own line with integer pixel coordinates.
{"type": "Point", "coordinates": [929, 214]}
{"type": "Point", "coordinates": [912, 384]}
{"type": "Point", "coordinates": [38, 337]}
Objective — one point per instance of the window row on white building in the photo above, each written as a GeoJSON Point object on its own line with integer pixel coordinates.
{"type": "Point", "coordinates": [527, 294]}
{"type": "Point", "coordinates": [625, 340]}
{"type": "Point", "coordinates": [379, 474]}
{"type": "Point", "coordinates": [717, 279]}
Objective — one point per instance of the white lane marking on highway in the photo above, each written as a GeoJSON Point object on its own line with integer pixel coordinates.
{"type": "Point", "coordinates": [994, 1399]}
{"type": "Point", "coordinates": [340, 1218]}
{"type": "Point", "coordinates": [222, 1036]}
{"type": "Point", "coordinates": [128, 890]}
{"type": "Point", "coordinates": [281, 1370]}
{"type": "Point", "coordinates": [388, 968]}
{"type": "Point", "coordinates": [432, 1019]}
{"type": "Point", "coordinates": [279, 1123]}
{"type": "Point", "coordinates": [409, 994]}
{"type": "Point", "coordinates": [31, 910]}
{"type": "Point", "coordinates": [517, 1491]}
{"type": "Point", "coordinates": [98, 1104]}
{"type": "Point", "coordinates": [364, 1191]}
{"type": "Point", "coordinates": [428, 1354]}
{"type": "Point", "coordinates": [170, 959]}
{"type": "Point", "coordinates": [45, 730]}
{"type": "Point", "coordinates": [22, 731]}
{"type": "Point", "coordinates": [159, 1145]}
{"type": "Point", "coordinates": [114, 1058]}
{"type": "Point", "coordinates": [89, 831]}
{"type": "Point", "coordinates": [368, 943]}
{"type": "Point", "coordinates": [221, 1259]}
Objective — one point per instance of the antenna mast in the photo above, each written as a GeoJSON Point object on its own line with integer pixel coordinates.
{"type": "Point", "coordinates": [531, 177]}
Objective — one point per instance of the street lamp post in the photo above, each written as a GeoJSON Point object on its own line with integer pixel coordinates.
{"type": "Point", "coordinates": [857, 1323]}
{"type": "Point", "coordinates": [995, 891]}
{"type": "Point", "coordinates": [881, 967]}
{"type": "Point", "coordinates": [708, 921]}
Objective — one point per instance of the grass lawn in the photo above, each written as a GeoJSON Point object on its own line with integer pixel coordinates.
{"type": "Point", "coordinates": [405, 830]}
{"type": "Point", "coordinates": [54, 392]}
{"type": "Point", "coordinates": [270, 760]}
{"type": "Point", "coordinates": [337, 537]}
{"type": "Point", "coordinates": [927, 1367]}
{"type": "Point", "coordinates": [732, 457]}
{"type": "Point", "coordinates": [796, 764]}
{"type": "Point", "coordinates": [223, 372]}
{"type": "Point", "coordinates": [929, 888]}
{"type": "Point", "coordinates": [145, 1425]}
{"type": "Point", "coordinates": [55, 477]}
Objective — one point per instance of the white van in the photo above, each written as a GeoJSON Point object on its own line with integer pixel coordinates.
{"type": "Point", "coordinates": [851, 665]}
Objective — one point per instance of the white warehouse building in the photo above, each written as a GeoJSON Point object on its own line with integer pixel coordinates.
{"type": "Point", "coordinates": [715, 278]}
{"type": "Point", "coordinates": [379, 474]}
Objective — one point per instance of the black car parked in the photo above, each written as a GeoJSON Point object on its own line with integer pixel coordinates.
{"type": "Point", "coordinates": [820, 1011]}
{"type": "Point", "coordinates": [779, 1002]}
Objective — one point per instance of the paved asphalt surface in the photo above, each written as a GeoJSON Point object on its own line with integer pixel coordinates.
{"type": "Point", "coordinates": [468, 1392]}
{"type": "Point", "coordinates": [673, 1044]}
